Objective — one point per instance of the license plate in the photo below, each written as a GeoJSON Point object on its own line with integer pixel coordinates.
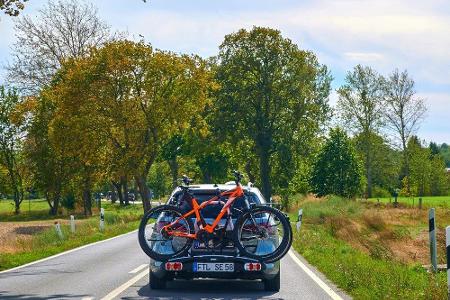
{"type": "Point", "coordinates": [213, 267]}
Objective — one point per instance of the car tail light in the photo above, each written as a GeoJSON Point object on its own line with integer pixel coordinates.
{"type": "Point", "coordinates": [174, 266]}
{"type": "Point", "coordinates": [252, 267]}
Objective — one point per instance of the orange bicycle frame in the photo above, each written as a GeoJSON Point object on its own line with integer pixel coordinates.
{"type": "Point", "coordinates": [232, 195]}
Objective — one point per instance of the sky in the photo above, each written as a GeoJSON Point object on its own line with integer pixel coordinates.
{"type": "Point", "coordinates": [383, 34]}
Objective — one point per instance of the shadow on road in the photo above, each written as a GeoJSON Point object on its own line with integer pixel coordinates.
{"type": "Point", "coordinates": [47, 268]}
{"type": "Point", "coordinates": [207, 289]}
{"type": "Point", "coordinates": [7, 296]}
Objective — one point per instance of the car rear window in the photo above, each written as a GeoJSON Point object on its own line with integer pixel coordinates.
{"type": "Point", "coordinates": [211, 211]}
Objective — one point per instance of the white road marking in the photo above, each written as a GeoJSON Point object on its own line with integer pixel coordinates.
{"type": "Point", "coordinates": [314, 277]}
{"type": "Point", "coordinates": [124, 286]}
{"type": "Point", "coordinates": [134, 271]}
{"type": "Point", "coordinates": [66, 252]}
{"type": "Point", "coordinates": [87, 298]}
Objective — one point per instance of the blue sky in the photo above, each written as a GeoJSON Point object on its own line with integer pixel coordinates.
{"type": "Point", "coordinates": [384, 34]}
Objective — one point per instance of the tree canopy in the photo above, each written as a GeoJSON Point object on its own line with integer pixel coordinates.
{"type": "Point", "coordinates": [271, 94]}
{"type": "Point", "coordinates": [337, 169]}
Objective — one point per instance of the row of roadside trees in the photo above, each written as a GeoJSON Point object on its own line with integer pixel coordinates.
{"type": "Point", "coordinates": [99, 111]}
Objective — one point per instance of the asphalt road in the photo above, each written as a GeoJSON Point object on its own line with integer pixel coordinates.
{"type": "Point", "coordinates": [117, 269]}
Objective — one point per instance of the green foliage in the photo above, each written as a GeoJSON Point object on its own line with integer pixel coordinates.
{"type": "Point", "coordinates": [159, 180]}
{"type": "Point", "coordinates": [384, 162]}
{"type": "Point", "coordinates": [68, 201]}
{"type": "Point", "coordinates": [444, 151]}
{"type": "Point", "coordinates": [336, 170]}
{"type": "Point", "coordinates": [427, 171]}
{"type": "Point", "coordinates": [12, 130]}
{"type": "Point", "coordinates": [272, 95]}
{"type": "Point", "coordinates": [379, 192]}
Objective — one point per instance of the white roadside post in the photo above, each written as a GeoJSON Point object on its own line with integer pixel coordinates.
{"type": "Point", "coordinates": [72, 223]}
{"type": "Point", "coordinates": [447, 247]}
{"type": "Point", "coordinates": [102, 219]}
{"type": "Point", "coordinates": [432, 231]}
{"type": "Point", "coordinates": [58, 229]}
{"type": "Point", "coordinates": [299, 219]}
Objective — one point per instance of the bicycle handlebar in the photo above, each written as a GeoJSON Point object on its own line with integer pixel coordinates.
{"type": "Point", "coordinates": [237, 176]}
{"type": "Point", "coordinates": [186, 180]}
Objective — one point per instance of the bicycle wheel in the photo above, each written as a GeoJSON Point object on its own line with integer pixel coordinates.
{"type": "Point", "coordinates": [263, 233]}
{"type": "Point", "coordinates": [157, 242]}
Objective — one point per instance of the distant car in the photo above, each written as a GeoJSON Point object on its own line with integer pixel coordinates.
{"type": "Point", "coordinates": [131, 197]}
{"type": "Point", "coordinates": [224, 263]}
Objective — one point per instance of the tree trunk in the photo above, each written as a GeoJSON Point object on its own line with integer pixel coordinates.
{"type": "Point", "coordinates": [406, 161]}
{"type": "Point", "coordinates": [55, 203]}
{"type": "Point", "coordinates": [248, 170]}
{"type": "Point", "coordinates": [16, 201]}
{"type": "Point", "coordinates": [264, 169]}
{"type": "Point", "coordinates": [124, 183]}
{"type": "Point", "coordinates": [118, 187]}
{"type": "Point", "coordinates": [207, 178]}
{"type": "Point", "coordinates": [144, 191]}
{"type": "Point", "coordinates": [87, 202]}
{"type": "Point", "coordinates": [173, 164]}
{"type": "Point", "coordinates": [368, 167]}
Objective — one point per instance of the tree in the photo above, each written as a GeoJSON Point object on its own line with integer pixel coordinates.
{"type": "Point", "coordinates": [127, 100]}
{"type": "Point", "coordinates": [336, 170]}
{"type": "Point", "coordinates": [62, 29]}
{"type": "Point", "coordinates": [169, 152]}
{"type": "Point", "coordinates": [444, 150]}
{"type": "Point", "coordinates": [403, 109]}
{"type": "Point", "coordinates": [49, 168]}
{"type": "Point", "coordinates": [12, 129]}
{"type": "Point", "coordinates": [75, 133]}
{"type": "Point", "coordinates": [361, 109]}
{"type": "Point", "coordinates": [269, 91]}
{"type": "Point", "coordinates": [12, 7]}
{"type": "Point", "coordinates": [438, 181]}
{"type": "Point", "coordinates": [420, 168]}
{"type": "Point", "coordinates": [385, 162]}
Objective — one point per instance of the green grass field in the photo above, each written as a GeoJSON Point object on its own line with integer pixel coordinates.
{"type": "Point", "coordinates": [30, 210]}
{"type": "Point", "coordinates": [427, 201]}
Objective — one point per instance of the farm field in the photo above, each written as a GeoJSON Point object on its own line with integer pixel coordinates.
{"type": "Point", "coordinates": [427, 201]}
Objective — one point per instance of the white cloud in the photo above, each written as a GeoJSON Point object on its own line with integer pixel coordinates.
{"type": "Point", "coordinates": [364, 57]}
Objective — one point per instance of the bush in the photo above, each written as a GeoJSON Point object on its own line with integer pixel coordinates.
{"type": "Point", "coordinates": [379, 192]}
{"type": "Point", "coordinates": [68, 201]}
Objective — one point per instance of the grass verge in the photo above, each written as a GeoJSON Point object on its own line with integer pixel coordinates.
{"type": "Point", "coordinates": [118, 220]}
{"type": "Point", "coordinates": [362, 274]}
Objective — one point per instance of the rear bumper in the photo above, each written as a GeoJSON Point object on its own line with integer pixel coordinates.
{"type": "Point", "coordinates": [268, 271]}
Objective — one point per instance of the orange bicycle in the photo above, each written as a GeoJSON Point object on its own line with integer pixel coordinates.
{"type": "Point", "coordinates": [259, 232]}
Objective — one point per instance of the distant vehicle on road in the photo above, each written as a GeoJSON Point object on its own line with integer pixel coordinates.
{"type": "Point", "coordinates": [208, 260]}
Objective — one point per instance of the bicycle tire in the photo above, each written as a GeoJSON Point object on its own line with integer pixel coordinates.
{"type": "Point", "coordinates": [284, 245]}
{"type": "Point", "coordinates": [143, 240]}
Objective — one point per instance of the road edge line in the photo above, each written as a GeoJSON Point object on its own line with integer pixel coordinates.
{"type": "Point", "coordinates": [314, 277]}
{"type": "Point", "coordinates": [65, 252]}
{"type": "Point", "coordinates": [116, 292]}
